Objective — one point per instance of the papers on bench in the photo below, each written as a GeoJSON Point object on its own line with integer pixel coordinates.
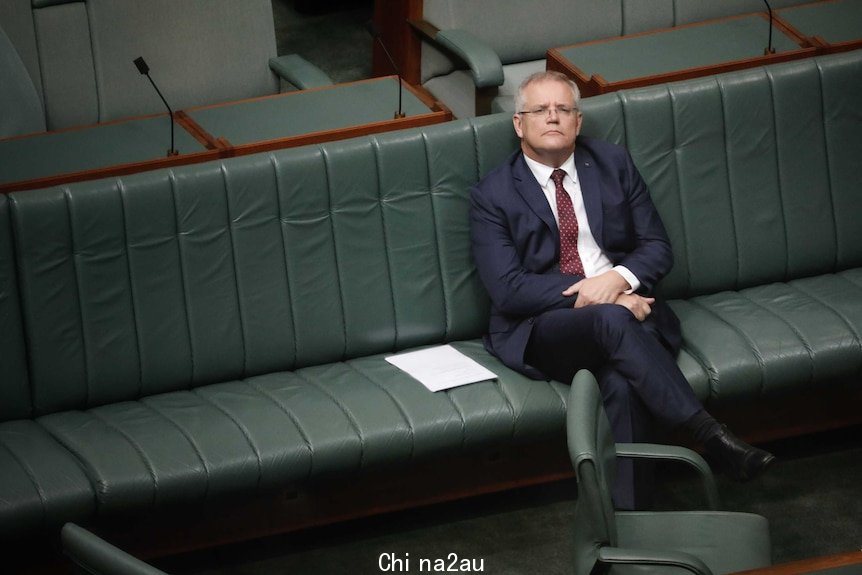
{"type": "Point", "coordinates": [441, 367]}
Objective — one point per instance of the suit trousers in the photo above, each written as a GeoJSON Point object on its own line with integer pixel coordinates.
{"type": "Point", "coordinates": [638, 376]}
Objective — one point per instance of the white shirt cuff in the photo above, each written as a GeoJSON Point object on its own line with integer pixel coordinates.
{"type": "Point", "coordinates": [629, 277]}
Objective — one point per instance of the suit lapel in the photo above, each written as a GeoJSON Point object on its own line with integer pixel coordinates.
{"type": "Point", "coordinates": [591, 191]}
{"type": "Point", "coordinates": [529, 189]}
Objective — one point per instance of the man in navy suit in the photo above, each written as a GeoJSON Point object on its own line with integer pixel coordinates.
{"type": "Point", "coordinates": [569, 247]}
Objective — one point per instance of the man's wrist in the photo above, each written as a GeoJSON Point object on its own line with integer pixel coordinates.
{"type": "Point", "coordinates": [631, 279]}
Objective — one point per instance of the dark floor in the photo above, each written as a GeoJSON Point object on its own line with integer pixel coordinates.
{"type": "Point", "coordinates": [331, 34]}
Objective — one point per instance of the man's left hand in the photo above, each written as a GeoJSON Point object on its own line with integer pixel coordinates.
{"type": "Point", "coordinates": [603, 288]}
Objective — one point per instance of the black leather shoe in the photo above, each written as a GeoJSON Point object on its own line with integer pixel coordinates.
{"type": "Point", "coordinates": [738, 460]}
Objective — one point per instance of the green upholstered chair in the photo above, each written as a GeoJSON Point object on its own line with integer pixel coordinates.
{"type": "Point", "coordinates": [702, 542]}
{"type": "Point", "coordinates": [92, 554]}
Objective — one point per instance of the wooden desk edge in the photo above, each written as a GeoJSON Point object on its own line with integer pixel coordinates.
{"type": "Point", "coordinates": [437, 113]}
{"type": "Point", "coordinates": [808, 565]}
{"type": "Point", "coordinates": [336, 134]}
{"type": "Point", "coordinates": [109, 171]}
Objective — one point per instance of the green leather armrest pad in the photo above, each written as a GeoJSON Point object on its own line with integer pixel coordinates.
{"type": "Point", "coordinates": [674, 453]}
{"type": "Point", "coordinates": [95, 555]}
{"type": "Point", "coordinates": [623, 556]}
{"type": "Point", "coordinates": [484, 63]}
{"type": "Point", "coordinates": [299, 71]}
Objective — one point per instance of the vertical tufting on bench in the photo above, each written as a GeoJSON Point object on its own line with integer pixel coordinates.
{"type": "Point", "coordinates": [14, 385]}
{"type": "Point", "coordinates": [756, 175]}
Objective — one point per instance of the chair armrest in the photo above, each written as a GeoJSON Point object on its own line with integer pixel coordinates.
{"type": "Point", "coordinates": [299, 71]}
{"type": "Point", "coordinates": [484, 63]}
{"type": "Point", "coordinates": [95, 555]}
{"type": "Point", "coordinates": [624, 556]}
{"type": "Point", "coordinates": [675, 453]}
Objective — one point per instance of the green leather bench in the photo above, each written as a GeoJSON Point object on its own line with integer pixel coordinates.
{"type": "Point", "coordinates": [181, 339]}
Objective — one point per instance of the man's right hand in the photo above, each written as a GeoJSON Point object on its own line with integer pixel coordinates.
{"type": "Point", "coordinates": [639, 306]}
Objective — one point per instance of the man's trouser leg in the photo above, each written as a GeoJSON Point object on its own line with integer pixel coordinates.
{"type": "Point", "coordinates": [638, 376]}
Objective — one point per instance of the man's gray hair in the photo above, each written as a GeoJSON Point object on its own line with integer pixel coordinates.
{"type": "Point", "coordinates": [540, 77]}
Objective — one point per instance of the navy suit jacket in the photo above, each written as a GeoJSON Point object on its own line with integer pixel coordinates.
{"type": "Point", "coordinates": [515, 242]}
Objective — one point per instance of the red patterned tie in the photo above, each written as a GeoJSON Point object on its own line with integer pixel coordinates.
{"type": "Point", "coordinates": [570, 260]}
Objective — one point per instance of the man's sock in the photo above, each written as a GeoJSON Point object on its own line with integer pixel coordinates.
{"type": "Point", "coordinates": [702, 426]}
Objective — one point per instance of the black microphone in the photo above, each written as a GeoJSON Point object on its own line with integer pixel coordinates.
{"type": "Point", "coordinates": [769, 49]}
{"type": "Point", "coordinates": [375, 33]}
{"type": "Point", "coordinates": [145, 70]}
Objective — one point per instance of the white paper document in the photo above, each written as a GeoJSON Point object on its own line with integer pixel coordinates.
{"type": "Point", "coordinates": [441, 367]}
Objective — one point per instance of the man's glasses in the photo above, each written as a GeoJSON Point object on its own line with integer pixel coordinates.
{"type": "Point", "coordinates": [545, 111]}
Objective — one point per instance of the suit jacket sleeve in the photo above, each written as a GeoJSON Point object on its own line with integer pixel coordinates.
{"type": "Point", "coordinates": [648, 254]}
{"type": "Point", "coordinates": [514, 289]}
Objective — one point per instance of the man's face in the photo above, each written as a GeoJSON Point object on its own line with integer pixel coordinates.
{"type": "Point", "coordinates": [548, 135]}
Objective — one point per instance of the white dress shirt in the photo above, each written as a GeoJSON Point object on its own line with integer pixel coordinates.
{"type": "Point", "coordinates": [594, 260]}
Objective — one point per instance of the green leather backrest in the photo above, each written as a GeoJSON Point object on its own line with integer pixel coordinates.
{"type": "Point", "coordinates": [687, 11]}
{"type": "Point", "coordinates": [757, 174]}
{"type": "Point", "coordinates": [166, 280]}
{"type": "Point", "coordinates": [200, 52]}
{"type": "Point", "coordinates": [66, 65]}
{"type": "Point", "coordinates": [592, 452]}
{"type": "Point", "coordinates": [14, 388]}
{"type": "Point", "coordinates": [20, 106]}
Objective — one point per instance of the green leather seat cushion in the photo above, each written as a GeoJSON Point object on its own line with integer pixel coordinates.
{"type": "Point", "coordinates": [705, 534]}
{"type": "Point", "coordinates": [776, 338]}
{"type": "Point", "coordinates": [41, 483]}
{"type": "Point", "coordinates": [287, 428]}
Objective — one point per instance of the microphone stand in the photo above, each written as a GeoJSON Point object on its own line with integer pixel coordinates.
{"type": "Point", "coordinates": [375, 33]}
{"type": "Point", "coordinates": [145, 70]}
{"type": "Point", "coordinates": [769, 49]}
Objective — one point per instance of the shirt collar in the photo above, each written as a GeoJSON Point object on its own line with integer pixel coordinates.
{"type": "Point", "coordinates": [542, 173]}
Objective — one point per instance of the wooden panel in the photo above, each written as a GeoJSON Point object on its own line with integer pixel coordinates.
{"type": "Point", "coordinates": [816, 565]}
{"type": "Point", "coordinates": [390, 17]}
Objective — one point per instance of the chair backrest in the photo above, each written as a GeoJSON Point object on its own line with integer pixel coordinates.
{"type": "Point", "coordinates": [756, 174]}
{"type": "Point", "coordinates": [20, 106]}
{"type": "Point", "coordinates": [79, 54]}
{"type": "Point", "coordinates": [14, 379]}
{"type": "Point", "coordinates": [199, 52]}
{"type": "Point", "coordinates": [688, 11]}
{"type": "Point", "coordinates": [94, 556]}
{"type": "Point", "coordinates": [591, 449]}
{"type": "Point", "coordinates": [16, 18]}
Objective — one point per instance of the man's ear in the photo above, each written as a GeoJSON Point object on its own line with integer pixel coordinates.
{"type": "Point", "coordinates": [516, 121]}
